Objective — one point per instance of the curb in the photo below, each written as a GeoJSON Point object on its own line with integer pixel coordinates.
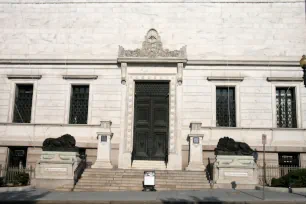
{"type": "Point", "coordinates": [15, 189]}
{"type": "Point", "coordinates": [282, 189]}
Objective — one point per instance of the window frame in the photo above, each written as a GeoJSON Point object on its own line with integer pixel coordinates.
{"type": "Point", "coordinates": [231, 84]}
{"type": "Point", "coordinates": [68, 101]}
{"type": "Point", "coordinates": [293, 98]}
{"type": "Point", "coordinates": [14, 84]}
{"type": "Point", "coordinates": [298, 110]}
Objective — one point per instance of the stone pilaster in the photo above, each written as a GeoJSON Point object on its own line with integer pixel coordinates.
{"type": "Point", "coordinates": [3, 156]}
{"type": "Point", "coordinates": [104, 147]}
{"type": "Point", "coordinates": [195, 148]}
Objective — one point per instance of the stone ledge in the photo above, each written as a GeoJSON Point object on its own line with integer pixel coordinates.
{"type": "Point", "coordinates": [218, 62]}
{"type": "Point", "coordinates": [225, 78]}
{"type": "Point", "coordinates": [285, 79]}
{"type": "Point", "coordinates": [17, 76]}
{"type": "Point", "coordinates": [80, 77]}
{"type": "Point", "coordinates": [151, 60]}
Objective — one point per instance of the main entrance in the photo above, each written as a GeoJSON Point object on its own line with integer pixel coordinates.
{"type": "Point", "coordinates": [151, 121]}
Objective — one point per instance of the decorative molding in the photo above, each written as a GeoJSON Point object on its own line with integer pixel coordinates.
{"type": "Point", "coordinates": [225, 78]}
{"type": "Point", "coordinates": [80, 77]}
{"type": "Point", "coordinates": [130, 109]}
{"type": "Point", "coordinates": [151, 60]}
{"type": "Point", "coordinates": [17, 76]}
{"type": "Point", "coordinates": [57, 61]}
{"type": "Point", "coordinates": [123, 72]}
{"type": "Point", "coordinates": [260, 63]}
{"type": "Point", "coordinates": [285, 79]}
{"type": "Point", "coordinates": [152, 48]}
{"type": "Point", "coordinates": [179, 75]}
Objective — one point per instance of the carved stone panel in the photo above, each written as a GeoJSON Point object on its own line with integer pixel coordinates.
{"type": "Point", "coordinates": [152, 47]}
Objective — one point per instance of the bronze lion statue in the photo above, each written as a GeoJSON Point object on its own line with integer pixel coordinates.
{"type": "Point", "coordinates": [65, 143]}
{"type": "Point", "coordinates": [228, 146]}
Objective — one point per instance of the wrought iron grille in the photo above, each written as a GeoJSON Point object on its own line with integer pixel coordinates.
{"type": "Point", "coordinates": [285, 107]}
{"type": "Point", "coordinates": [290, 158]}
{"type": "Point", "coordinates": [79, 104]}
{"type": "Point", "coordinates": [23, 103]}
{"type": "Point", "coordinates": [152, 89]}
{"type": "Point", "coordinates": [225, 107]}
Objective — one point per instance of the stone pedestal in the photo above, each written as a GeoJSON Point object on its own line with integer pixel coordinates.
{"type": "Point", "coordinates": [104, 147]}
{"type": "Point", "coordinates": [55, 169]}
{"type": "Point", "coordinates": [195, 148]}
{"type": "Point", "coordinates": [232, 171]}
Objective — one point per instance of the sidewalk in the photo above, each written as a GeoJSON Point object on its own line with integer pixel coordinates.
{"type": "Point", "coordinates": [209, 196]}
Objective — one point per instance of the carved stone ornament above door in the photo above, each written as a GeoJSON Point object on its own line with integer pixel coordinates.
{"type": "Point", "coordinates": [152, 51]}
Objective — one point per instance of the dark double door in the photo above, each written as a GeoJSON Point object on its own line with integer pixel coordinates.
{"type": "Point", "coordinates": [151, 121]}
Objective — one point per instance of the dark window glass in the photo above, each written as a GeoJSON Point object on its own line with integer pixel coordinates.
{"type": "Point", "coordinates": [17, 156]}
{"type": "Point", "coordinates": [285, 108]}
{"type": "Point", "coordinates": [225, 107]}
{"type": "Point", "coordinates": [79, 104]}
{"type": "Point", "coordinates": [290, 158]}
{"type": "Point", "coordinates": [23, 103]}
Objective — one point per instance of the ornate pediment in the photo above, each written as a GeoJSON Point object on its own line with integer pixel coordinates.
{"type": "Point", "coordinates": [152, 47]}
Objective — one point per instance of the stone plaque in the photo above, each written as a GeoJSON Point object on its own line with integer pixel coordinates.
{"type": "Point", "coordinates": [56, 169]}
{"type": "Point", "coordinates": [103, 138]}
{"type": "Point", "coordinates": [238, 174]}
{"type": "Point", "coordinates": [196, 140]}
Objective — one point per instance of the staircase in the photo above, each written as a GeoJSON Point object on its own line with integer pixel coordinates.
{"type": "Point", "coordinates": [132, 180]}
{"type": "Point", "coordinates": [150, 165]}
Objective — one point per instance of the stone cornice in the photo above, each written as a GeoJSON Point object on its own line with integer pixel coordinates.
{"type": "Point", "coordinates": [151, 60]}
{"type": "Point", "coordinates": [285, 79]}
{"type": "Point", "coordinates": [278, 63]}
{"type": "Point", "coordinates": [80, 77]}
{"type": "Point", "coordinates": [262, 63]}
{"type": "Point", "coordinates": [18, 76]}
{"type": "Point", "coordinates": [225, 78]}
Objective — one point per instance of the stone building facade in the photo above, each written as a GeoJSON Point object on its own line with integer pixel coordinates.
{"type": "Point", "coordinates": [152, 68]}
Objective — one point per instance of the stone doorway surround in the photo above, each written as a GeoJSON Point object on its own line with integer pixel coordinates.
{"type": "Point", "coordinates": [151, 55]}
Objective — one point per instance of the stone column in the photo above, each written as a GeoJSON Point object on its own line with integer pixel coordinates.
{"type": "Point", "coordinates": [195, 148]}
{"type": "Point", "coordinates": [104, 147]}
{"type": "Point", "coordinates": [3, 156]}
{"type": "Point", "coordinates": [303, 159]}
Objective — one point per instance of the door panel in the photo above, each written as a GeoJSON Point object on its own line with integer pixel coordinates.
{"type": "Point", "coordinates": [151, 121]}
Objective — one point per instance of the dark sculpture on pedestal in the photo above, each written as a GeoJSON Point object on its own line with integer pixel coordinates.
{"type": "Point", "coordinates": [65, 143]}
{"type": "Point", "coordinates": [228, 146]}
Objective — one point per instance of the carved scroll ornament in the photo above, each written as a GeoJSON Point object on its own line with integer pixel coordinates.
{"type": "Point", "coordinates": [152, 47]}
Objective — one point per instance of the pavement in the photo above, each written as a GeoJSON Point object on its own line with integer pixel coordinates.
{"type": "Point", "coordinates": [39, 196]}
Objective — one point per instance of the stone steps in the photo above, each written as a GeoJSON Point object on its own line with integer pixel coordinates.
{"type": "Point", "coordinates": [132, 180]}
{"type": "Point", "coordinates": [149, 165]}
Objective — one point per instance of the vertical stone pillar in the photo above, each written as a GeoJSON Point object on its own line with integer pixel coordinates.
{"type": "Point", "coordinates": [195, 148]}
{"type": "Point", "coordinates": [3, 156]}
{"type": "Point", "coordinates": [303, 159]}
{"type": "Point", "coordinates": [33, 156]}
{"type": "Point", "coordinates": [104, 147]}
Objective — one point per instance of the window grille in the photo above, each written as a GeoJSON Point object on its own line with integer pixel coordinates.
{"type": "Point", "coordinates": [225, 107]}
{"type": "Point", "coordinates": [290, 159]}
{"type": "Point", "coordinates": [285, 107]}
{"type": "Point", "coordinates": [79, 104]}
{"type": "Point", "coordinates": [23, 103]}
